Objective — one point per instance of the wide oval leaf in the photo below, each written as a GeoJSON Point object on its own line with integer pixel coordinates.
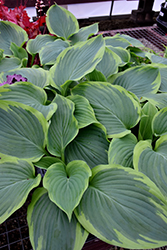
{"type": "Point", "coordinates": [158, 100]}
{"type": "Point", "coordinates": [90, 146]}
{"type": "Point", "coordinates": [7, 64]}
{"type": "Point", "coordinates": [46, 161]}
{"type": "Point", "coordinates": [84, 113]}
{"type": "Point", "coordinates": [28, 94]}
{"type": "Point", "coordinates": [152, 163]}
{"type": "Point", "coordinates": [34, 45]}
{"type": "Point", "coordinates": [117, 41]}
{"type": "Point", "coordinates": [115, 108]}
{"type": "Point", "coordinates": [75, 62]}
{"type": "Point", "coordinates": [61, 22]}
{"type": "Point", "coordinates": [17, 179]}
{"type": "Point", "coordinates": [49, 227]}
{"type": "Point", "coordinates": [145, 127]}
{"type": "Point", "coordinates": [49, 53]}
{"type": "Point", "coordinates": [22, 131]}
{"type": "Point", "coordinates": [109, 63]}
{"type": "Point", "coordinates": [139, 80]}
{"type": "Point", "coordinates": [159, 122]}
{"type": "Point", "coordinates": [66, 185]}
{"type": "Point", "coordinates": [123, 207]}
{"type": "Point", "coordinates": [84, 33]}
{"type": "Point", "coordinates": [123, 54]}
{"type": "Point", "coordinates": [63, 128]}
{"type": "Point", "coordinates": [37, 76]}
{"type": "Point", "coordinates": [121, 150]}
{"type": "Point", "coordinates": [10, 32]}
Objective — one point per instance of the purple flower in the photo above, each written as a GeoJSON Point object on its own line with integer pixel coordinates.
{"type": "Point", "coordinates": [14, 78]}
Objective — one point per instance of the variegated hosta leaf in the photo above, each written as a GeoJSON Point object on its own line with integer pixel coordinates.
{"type": "Point", "coordinates": [37, 76]}
{"type": "Point", "coordinates": [16, 181]}
{"type": "Point", "coordinates": [61, 22]}
{"type": "Point", "coordinates": [117, 41]}
{"type": "Point", "coordinates": [140, 80]}
{"type": "Point", "coordinates": [28, 94]}
{"type": "Point", "coordinates": [63, 128]}
{"type": "Point", "coordinates": [90, 146]}
{"type": "Point", "coordinates": [134, 42]}
{"type": "Point", "coordinates": [34, 45]}
{"type": "Point", "coordinates": [123, 207]}
{"type": "Point", "coordinates": [123, 54]}
{"type": "Point", "coordinates": [22, 131]}
{"type": "Point", "coordinates": [161, 146]}
{"type": "Point", "coordinates": [114, 107]}
{"type": "Point", "coordinates": [109, 63]}
{"type": "Point", "coordinates": [84, 113]}
{"type": "Point", "coordinates": [49, 53]}
{"type": "Point", "coordinates": [75, 62]}
{"type": "Point", "coordinates": [163, 72]}
{"type": "Point", "coordinates": [159, 100]}
{"type": "Point", "coordinates": [96, 75]}
{"type": "Point", "coordinates": [9, 64]}
{"type": "Point", "coordinates": [1, 54]}
{"type": "Point", "coordinates": [66, 185]}
{"type": "Point", "coordinates": [19, 52]}
{"type": "Point", "coordinates": [121, 150]}
{"type": "Point", "coordinates": [157, 59]}
{"type": "Point", "coordinates": [49, 227]}
{"type": "Point", "coordinates": [84, 33]}
{"type": "Point", "coordinates": [159, 123]}
{"type": "Point", "coordinates": [152, 163]}
{"type": "Point", "coordinates": [145, 127]}
{"type": "Point", "coordinates": [10, 32]}
{"type": "Point", "coordinates": [46, 161]}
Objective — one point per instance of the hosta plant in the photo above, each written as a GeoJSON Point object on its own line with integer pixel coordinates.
{"type": "Point", "coordinates": [92, 114]}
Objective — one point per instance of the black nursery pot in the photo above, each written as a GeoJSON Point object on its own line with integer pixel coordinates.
{"type": "Point", "coordinates": [162, 18]}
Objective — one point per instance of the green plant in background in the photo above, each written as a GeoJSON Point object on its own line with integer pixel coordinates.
{"type": "Point", "coordinates": [93, 114]}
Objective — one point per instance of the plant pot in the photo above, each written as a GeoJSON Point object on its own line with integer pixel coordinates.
{"type": "Point", "coordinates": [162, 18]}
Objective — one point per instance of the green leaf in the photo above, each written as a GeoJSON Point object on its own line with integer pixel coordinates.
{"type": "Point", "coordinates": [46, 161]}
{"type": "Point", "coordinates": [121, 150]}
{"type": "Point", "coordinates": [28, 94]}
{"type": "Point", "coordinates": [63, 128]}
{"type": "Point", "coordinates": [117, 41]}
{"type": "Point", "coordinates": [61, 22]}
{"type": "Point", "coordinates": [16, 181]}
{"type": "Point", "coordinates": [90, 145]}
{"type": "Point", "coordinates": [35, 45]}
{"type": "Point", "coordinates": [109, 63]}
{"type": "Point", "coordinates": [1, 54]}
{"type": "Point", "coordinates": [145, 127]}
{"type": "Point", "coordinates": [163, 70]}
{"type": "Point", "coordinates": [66, 185]}
{"type": "Point", "coordinates": [123, 207]}
{"type": "Point", "coordinates": [160, 146]}
{"type": "Point", "coordinates": [9, 64]}
{"type": "Point", "coordinates": [84, 113]}
{"type": "Point", "coordinates": [49, 53]}
{"type": "Point", "coordinates": [22, 131]}
{"type": "Point", "coordinates": [10, 32]}
{"type": "Point", "coordinates": [19, 52]}
{"type": "Point", "coordinates": [76, 61]}
{"type": "Point", "coordinates": [84, 33]}
{"type": "Point", "coordinates": [134, 42]}
{"type": "Point", "coordinates": [49, 227]}
{"type": "Point", "coordinates": [140, 80]}
{"type": "Point", "coordinates": [159, 123]}
{"type": "Point", "coordinates": [37, 76]}
{"type": "Point", "coordinates": [96, 75]}
{"type": "Point", "coordinates": [152, 163]}
{"type": "Point", "coordinates": [123, 54]}
{"type": "Point", "coordinates": [115, 108]}
{"type": "Point", "coordinates": [159, 100]}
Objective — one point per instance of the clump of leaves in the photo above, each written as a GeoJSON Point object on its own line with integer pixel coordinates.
{"type": "Point", "coordinates": [94, 117]}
